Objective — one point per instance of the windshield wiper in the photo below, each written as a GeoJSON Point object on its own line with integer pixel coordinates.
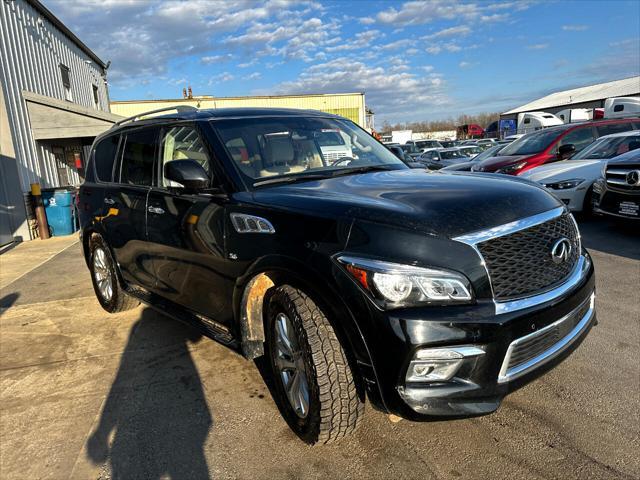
{"type": "Point", "coordinates": [362, 169]}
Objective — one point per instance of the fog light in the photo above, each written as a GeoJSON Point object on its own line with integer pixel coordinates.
{"type": "Point", "coordinates": [439, 364]}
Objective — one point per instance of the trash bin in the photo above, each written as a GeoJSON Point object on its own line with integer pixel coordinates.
{"type": "Point", "coordinates": [59, 206]}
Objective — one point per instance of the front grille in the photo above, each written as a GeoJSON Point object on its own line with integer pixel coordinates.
{"type": "Point", "coordinates": [332, 156]}
{"type": "Point", "coordinates": [520, 264]}
{"type": "Point", "coordinates": [616, 176]}
{"type": "Point", "coordinates": [529, 351]}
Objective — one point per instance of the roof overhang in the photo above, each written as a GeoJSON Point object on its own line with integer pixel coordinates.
{"type": "Point", "coordinates": [52, 118]}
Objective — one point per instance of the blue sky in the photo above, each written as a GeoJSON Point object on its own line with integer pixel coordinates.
{"type": "Point", "coordinates": [414, 60]}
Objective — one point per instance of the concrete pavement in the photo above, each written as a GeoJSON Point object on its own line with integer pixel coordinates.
{"type": "Point", "coordinates": [85, 394]}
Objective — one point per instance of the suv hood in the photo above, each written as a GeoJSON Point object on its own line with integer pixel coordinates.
{"type": "Point", "coordinates": [444, 205]}
{"type": "Point", "coordinates": [494, 163]}
{"type": "Point", "coordinates": [566, 170]}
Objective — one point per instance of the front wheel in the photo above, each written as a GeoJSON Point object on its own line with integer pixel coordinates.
{"type": "Point", "coordinates": [314, 387]}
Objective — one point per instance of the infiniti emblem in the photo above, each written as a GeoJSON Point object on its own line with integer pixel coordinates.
{"type": "Point", "coordinates": [561, 250]}
{"type": "Point", "coordinates": [633, 178]}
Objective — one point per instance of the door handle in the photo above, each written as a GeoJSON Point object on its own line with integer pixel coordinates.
{"type": "Point", "coordinates": [109, 201]}
{"type": "Point", "coordinates": [156, 210]}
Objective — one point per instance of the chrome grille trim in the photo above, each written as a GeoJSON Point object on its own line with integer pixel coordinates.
{"type": "Point", "coordinates": [552, 346]}
{"type": "Point", "coordinates": [578, 273]}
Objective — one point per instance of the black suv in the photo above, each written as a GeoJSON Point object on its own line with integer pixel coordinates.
{"type": "Point", "coordinates": [431, 295]}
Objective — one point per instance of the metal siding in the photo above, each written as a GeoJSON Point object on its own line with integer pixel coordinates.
{"type": "Point", "coordinates": [30, 55]}
{"type": "Point", "coordinates": [347, 105]}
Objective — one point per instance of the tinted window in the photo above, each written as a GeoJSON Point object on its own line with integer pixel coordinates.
{"type": "Point", "coordinates": [182, 143]}
{"type": "Point", "coordinates": [532, 142]}
{"type": "Point", "coordinates": [138, 156]}
{"type": "Point", "coordinates": [104, 157]}
{"type": "Point", "coordinates": [609, 147]}
{"type": "Point", "coordinates": [614, 128]}
{"type": "Point", "coordinates": [618, 108]}
{"type": "Point", "coordinates": [579, 138]}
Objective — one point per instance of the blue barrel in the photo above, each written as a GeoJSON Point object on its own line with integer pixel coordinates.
{"type": "Point", "coordinates": [59, 206]}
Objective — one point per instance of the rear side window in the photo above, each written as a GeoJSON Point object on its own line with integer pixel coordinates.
{"type": "Point", "coordinates": [614, 128]}
{"type": "Point", "coordinates": [104, 156]}
{"type": "Point", "coordinates": [579, 138]}
{"type": "Point", "coordinates": [138, 157]}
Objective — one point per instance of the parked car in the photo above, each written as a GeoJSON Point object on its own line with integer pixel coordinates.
{"type": "Point", "coordinates": [617, 193]}
{"type": "Point", "coordinates": [400, 153]}
{"type": "Point", "coordinates": [466, 165]}
{"type": "Point", "coordinates": [552, 144]}
{"type": "Point", "coordinates": [572, 180]}
{"type": "Point", "coordinates": [355, 278]}
{"type": "Point", "coordinates": [470, 150]}
{"type": "Point", "coordinates": [426, 144]}
{"type": "Point", "coordinates": [449, 143]}
{"type": "Point", "coordinates": [435, 159]}
{"type": "Point", "coordinates": [411, 150]}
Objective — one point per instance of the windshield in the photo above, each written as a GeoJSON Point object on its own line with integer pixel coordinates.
{"type": "Point", "coordinates": [451, 154]}
{"type": "Point", "coordinates": [609, 147]}
{"type": "Point", "coordinates": [532, 142]}
{"type": "Point", "coordinates": [329, 138]}
{"type": "Point", "coordinates": [286, 147]}
{"type": "Point", "coordinates": [490, 152]}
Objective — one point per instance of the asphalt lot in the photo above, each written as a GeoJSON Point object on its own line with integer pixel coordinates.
{"type": "Point", "coordinates": [84, 394]}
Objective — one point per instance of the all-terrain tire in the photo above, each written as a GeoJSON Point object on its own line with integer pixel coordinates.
{"type": "Point", "coordinates": [118, 301]}
{"type": "Point", "coordinates": [335, 406]}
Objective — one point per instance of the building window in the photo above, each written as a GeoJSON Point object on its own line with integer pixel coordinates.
{"type": "Point", "coordinates": [66, 82]}
{"type": "Point", "coordinates": [96, 101]}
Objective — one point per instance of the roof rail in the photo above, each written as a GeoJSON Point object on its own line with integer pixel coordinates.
{"type": "Point", "coordinates": [177, 108]}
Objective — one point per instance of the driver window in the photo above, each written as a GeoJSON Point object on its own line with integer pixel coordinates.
{"type": "Point", "coordinates": [181, 143]}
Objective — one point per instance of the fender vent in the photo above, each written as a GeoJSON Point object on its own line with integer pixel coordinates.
{"type": "Point", "coordinates": [244, 223]}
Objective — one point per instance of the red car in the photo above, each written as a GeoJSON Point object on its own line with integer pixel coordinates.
{"type": "Point", "coordinates": [551, 144]}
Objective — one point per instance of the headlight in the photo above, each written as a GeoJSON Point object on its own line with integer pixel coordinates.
{"type": "Point", "coordinates": [394, 285]}
{"type": "Point", "coordinates": [564, 185]}
{"type": "Point", "coordinates": [511, 168]}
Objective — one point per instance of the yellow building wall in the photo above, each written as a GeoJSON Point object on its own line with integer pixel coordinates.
{"type": "Point", "coordinates": [348, 105]}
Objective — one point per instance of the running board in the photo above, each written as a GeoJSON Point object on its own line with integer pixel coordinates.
{"type": "Point", "coordinates": [205, 325]}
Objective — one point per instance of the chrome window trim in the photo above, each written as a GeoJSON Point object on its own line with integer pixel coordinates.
{"type": "Point", "coordinates": [474, 238]}
{"type": "Point", "coordinates": [507, 374]}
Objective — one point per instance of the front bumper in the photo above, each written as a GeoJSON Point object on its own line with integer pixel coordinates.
{"type": "Point", "coordinates": [481, 382]}
{"type": "Point", "coordinates": [617, 204]}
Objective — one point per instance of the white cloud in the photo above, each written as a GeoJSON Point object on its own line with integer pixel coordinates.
{"type": "Point", "coordinates": [538, 46]}
{"type": "Point", "coordinates": [464, 64]}
{"type": "Point", "coordinates": [459, 31]}
{"type": "Point", "coordinates": [419, 12]}
{"type": "Point", "coordinates": [575, 28]}
{"type": "Point", "coordinates": [367, 20]}
{"type": "Point", "coordinates": [496, 17]}
{"type": "Point", "coordinates": [360, 40]}
{"type": "Point", "coordinates": [437, 48]}
{"type": "Point", "coordinates": [207, 60]}
{"type": "Point", "coordinates": [253, 76]}
{"type": "Point", "coordinates": [394, 92]}
{"type": "Point", "coordinates": [220, 78]}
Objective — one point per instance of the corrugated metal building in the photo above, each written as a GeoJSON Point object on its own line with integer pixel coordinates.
{"type": "Point", "coordinates": [349, 105]}
{"type": "Point", "coordinates": [53, 102]}
{"type": "Point", "coordinates": [592, 96]}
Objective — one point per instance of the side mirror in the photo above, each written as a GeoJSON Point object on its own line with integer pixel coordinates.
{"type": "Point", "coordinates": [565, 151]}
{"type": "Point", "coordinates": [187, 173]}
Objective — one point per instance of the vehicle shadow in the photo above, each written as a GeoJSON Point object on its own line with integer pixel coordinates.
{"type": "Point", "coordinates": [155, 419]}
{"type": "Point", "coordinates": [608, 236]}
{"type": "Point", "coordinates": [7, 301]}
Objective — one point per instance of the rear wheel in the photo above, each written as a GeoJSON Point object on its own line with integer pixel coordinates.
{"type": "Point", "coordinates": [105, 280]}
{"type": "Point", "coordinates": [314, 387]}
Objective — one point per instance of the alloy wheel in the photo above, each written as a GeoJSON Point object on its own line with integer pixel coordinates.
{"type": "Point", "coordinates": [290, 363]}
{"type": "Point", "coordinates": [102, 274]}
